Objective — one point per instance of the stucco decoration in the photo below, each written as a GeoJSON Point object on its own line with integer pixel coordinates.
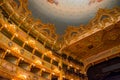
{"type": "Point", "coordinates": [20, 11]}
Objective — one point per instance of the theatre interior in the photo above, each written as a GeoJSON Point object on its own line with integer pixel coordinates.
{"type": "Point", "coordinates": [59, 39]}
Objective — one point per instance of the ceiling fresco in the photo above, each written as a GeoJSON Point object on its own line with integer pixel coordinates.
{"type": "Point", "coordinates": [63, 13]}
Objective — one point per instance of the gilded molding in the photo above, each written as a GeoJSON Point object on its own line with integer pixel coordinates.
{"type": "Point", "coordinates": [102, 18]}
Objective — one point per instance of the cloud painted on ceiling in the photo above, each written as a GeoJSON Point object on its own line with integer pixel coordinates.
{"type": "Point", "coordinates": [68, 12]}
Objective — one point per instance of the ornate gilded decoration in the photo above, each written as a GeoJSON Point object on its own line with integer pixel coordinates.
{"type": "Point", "coordinates": [101, 19]}
{"type": "Point", "coordinates": [81, 42]}
{"type": "Point", "coordinates": [49, 31]}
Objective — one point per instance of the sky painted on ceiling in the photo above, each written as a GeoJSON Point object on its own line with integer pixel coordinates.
{"type": "Point", "coordinates": [63, 13]}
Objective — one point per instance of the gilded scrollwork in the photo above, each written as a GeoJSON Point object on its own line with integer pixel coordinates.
{"type": "Point", "coordinates": [49, 31]}
{"type": "Point", "coordinates": [72, 32]}
{"type": "Point", "coordinates": [100, 21]}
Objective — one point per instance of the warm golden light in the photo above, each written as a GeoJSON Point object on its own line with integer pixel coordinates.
{"type": "Point", "coordinates": [8, 50]}
{"type": "Point", "coordinates": [56, 70]}
{"type": "Point", "coordinates": [63, 76]}
{"type": "Point", "coordinates": [22, 76]}
{"type": "Point", "coordinates": [16, 49]}
{"type": "Point", "coordinates": [13, 26]}
{"type": "Point", "coordinates": [71, 65]}
{"type": "Point", "coordinates": [54, 58]}
{"type": "Point", "coordinates": [43, 69]}
{"type": "Point", "coordinates": [53, 73]}
{"type": "Point", "coordinates": [6, 26]}
{"type": "Point", "coordinates": [38, 62]}
{"type": "Point", "coordinates": [48, 53]}
{"type": "Point", "coordinates": [21, 58]}
{"type": "Point", "coordinates": [31, 41]}
{"type": "Point", "coordinates": [16, 34]}
{"type": "Point", "coordinates": [26, 42]}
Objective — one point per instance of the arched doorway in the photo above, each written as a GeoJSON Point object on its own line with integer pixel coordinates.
{"type": "Point", "coordinates": [107, 70]}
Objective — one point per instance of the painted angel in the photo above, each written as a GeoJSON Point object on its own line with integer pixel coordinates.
{"type": "Point", "coordinates": [53, 1]}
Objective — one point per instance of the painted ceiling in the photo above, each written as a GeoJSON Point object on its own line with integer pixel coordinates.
{"type": "Point", "coordinates": [64, 13]}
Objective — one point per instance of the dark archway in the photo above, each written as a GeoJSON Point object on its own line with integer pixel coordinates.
{"type": "Point", "coordinates": [113, 76]}
{"type": "Point", "coordinates": [107, 70]}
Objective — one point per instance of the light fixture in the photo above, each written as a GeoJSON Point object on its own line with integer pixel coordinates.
{"type": "Point", "coordinates": [64, 76]}
{"type": "Point", "coordinates": [36, 48]}
{"type": "Point", "coordinates": [31, 41]}
{"type": "Point", "coordinates": [56, 70]}
{"type": "Point", "coordinates": [54, 58]}
{"type": "Point", "coordinates": [16, 34]}
{"type": "Point", "coordinates": [33, 64]}
{"type": "Point", "coordinates": [48, 53]}
{"type": "Point", "coordinates": [16, 49]}
{"type": "Point", "coordinates": [8, 50]}
{"type": "Point", "coordinates": [6, 26]}
{"type": "Point", "coordinates": [71, 65]}
{"type": "Point", "coordinates": [53, 73]}
{"type": "Point", "coordinates": [77, 67]}
{"type": "Point", "coordinates": [38, 62]}
{"type": "Point", "coordinates": [43, 69]}
{"type": "Point", "coordinates": [21, 58]}
{"type": "Point", "coordinates": [23, 76]}
{"type": "Point", "coordinates": [26, 42]}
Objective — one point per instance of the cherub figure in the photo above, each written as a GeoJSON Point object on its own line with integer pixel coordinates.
{"type": "Point", "coordinates": [93, 1]}
{"type": "Point", "coordinates": [53, 1]}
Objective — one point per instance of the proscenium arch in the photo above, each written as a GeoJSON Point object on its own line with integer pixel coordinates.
{"type": "Point", "coordinates": [101, 70]}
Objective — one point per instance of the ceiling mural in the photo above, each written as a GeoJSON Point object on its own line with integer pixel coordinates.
{"type": "Point", "coordinates": [64, 13]}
